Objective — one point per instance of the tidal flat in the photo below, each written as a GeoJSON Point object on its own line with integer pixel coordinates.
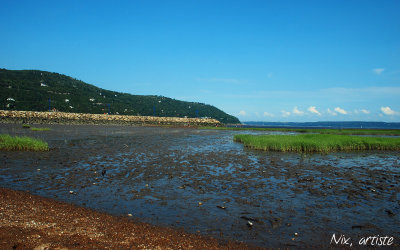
{"type": "Point", "coordinates": [204, 182]}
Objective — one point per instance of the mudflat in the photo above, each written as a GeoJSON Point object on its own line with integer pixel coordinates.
{"type": "Point", "coordinates": [204, 183]}
{"type": "Point", "coordinates": [33, 222]}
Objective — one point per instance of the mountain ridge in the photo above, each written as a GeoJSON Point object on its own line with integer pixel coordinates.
{"type": "Point", "coordinates": [42, 91]}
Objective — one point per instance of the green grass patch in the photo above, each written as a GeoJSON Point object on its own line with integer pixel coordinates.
{"type": "Point", "coordinates": [40, 129]}
{"type": "Point", "coordinates": [317, 143]}
{"type": "Point", "coordinates": [26, 126]}
{"type": "Point", "coordinates": [390, 132]}
{"type": "Point", "coordinates": [25, 143]}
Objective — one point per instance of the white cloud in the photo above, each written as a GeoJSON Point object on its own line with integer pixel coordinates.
{"type": "Point", "coordinates": [285, 113]}
{"type": "Point", "coordinates": [365, 111]}
{"type": "Point", "coordinates": [389, 111]}
{"type": "Point", "coordinates": [242, 113]}
{"type": "Point", "coordinates": [296, 111]}
{"type": "Point", "coordinates": [331, 112]}
{"type": "Point", "coordinates": [314, 110]}
{"type": "Point", "coordinates": [362, 111]}
{"type": "Point", "coordinates": [268, 114]}
{"type": "Point", "coordinates": [341, 111]}
{"type": "Point", "coordinates": [378, 71]}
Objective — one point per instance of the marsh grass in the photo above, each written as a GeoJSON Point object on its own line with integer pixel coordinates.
{"type": "Point", "coordinates": [317, 143]}
{"type": "Point", "coordinates": [390, 132]}
{"type": "Point", "coordinates": [40, 129]}
{"type": "Point", "coordinates": [8, 142]}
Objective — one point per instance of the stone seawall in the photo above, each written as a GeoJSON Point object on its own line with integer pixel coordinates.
{"type": "Point", "coordinates": [33, 117]}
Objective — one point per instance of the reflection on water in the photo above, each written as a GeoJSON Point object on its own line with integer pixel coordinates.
{"type": "Point", "coordinates": [204, 182]}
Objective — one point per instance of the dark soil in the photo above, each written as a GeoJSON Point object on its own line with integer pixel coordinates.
{"type": "Point", "coordinates": [32, 222]}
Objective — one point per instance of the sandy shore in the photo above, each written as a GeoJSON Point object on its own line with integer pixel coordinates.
{"type": "Point", "coordinates": [33, 222]}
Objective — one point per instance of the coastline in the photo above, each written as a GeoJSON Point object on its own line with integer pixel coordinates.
{"type": "Point", "coordinates": [36, 117]}
{"type": "Point", "coordinates": [30, 221]}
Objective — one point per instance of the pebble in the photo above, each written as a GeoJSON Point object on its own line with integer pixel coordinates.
{"type": "Point", "coordinates": [390, 212]}
{"type": "Point", "coordinates": [249, 223]}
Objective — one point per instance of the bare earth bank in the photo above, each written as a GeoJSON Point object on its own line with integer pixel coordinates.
{"type": "Point", "coordinates": [33, 222]}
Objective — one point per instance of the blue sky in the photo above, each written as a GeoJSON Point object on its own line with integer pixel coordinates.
{"type": "Point", "coordinates": [257, 60]}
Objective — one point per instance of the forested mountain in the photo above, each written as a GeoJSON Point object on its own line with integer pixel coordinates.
{"type": "Point", "coordinates": [40, 91]}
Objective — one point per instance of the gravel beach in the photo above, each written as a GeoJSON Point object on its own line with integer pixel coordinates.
{"type": "Point", "coordinates": [33, 222]}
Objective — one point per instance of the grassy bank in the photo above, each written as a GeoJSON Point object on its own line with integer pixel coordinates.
{"type": "Point", "coordinates": [317, 143]}
{"type": "Point", "coordinates": [390, 132]}
{"type": "Point", "coordinates": [8, 142]}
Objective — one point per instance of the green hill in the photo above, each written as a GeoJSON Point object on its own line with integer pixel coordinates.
{"type": "Point", "coordinates": [38, 90]}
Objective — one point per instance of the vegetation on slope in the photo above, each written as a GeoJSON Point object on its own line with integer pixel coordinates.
{"type": "Point", "coordinates": [40, 91]}
{"type": "Point", "coordinates": [317, 143]}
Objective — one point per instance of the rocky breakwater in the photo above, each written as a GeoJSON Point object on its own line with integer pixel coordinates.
{"type": "Point", "coordinates": [33, 117]}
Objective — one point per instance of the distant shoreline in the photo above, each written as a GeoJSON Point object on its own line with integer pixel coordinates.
{"type": "Point", "coordinates": [324, 125]}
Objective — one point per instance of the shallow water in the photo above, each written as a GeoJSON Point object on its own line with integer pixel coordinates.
{"type": "Point", "coordinates": [202, 181]}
